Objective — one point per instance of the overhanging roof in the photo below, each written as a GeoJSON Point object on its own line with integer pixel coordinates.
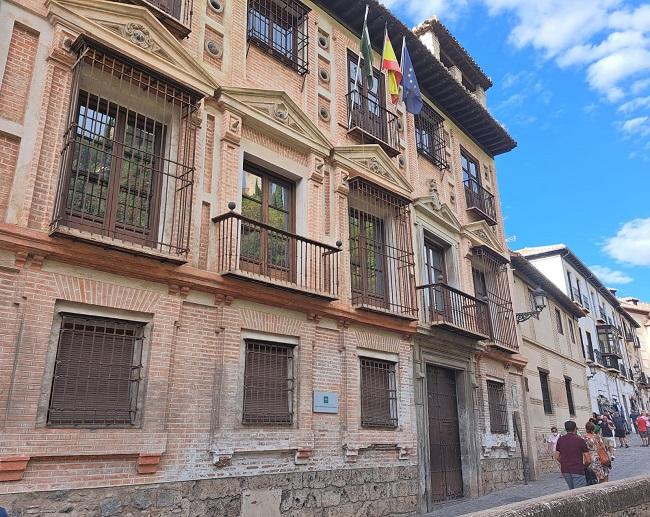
{"type": "Point", "coordinates": [435, 80]}
{"type": "Point", "coordinates": [535, 277]}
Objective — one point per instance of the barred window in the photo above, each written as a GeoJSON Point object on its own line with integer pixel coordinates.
{"type": "Point", "coordinates": [498, 407]}
{"type": "Point", "coordinates": [268, 383]}
{"type": "Point", "coordinates": [429, 137]}
{"type": "Point", "coordinates": [280, 26]}
{"type": "Point", "coordinates": [128, 156]}
{"type": "Point", "coordinates": [378, 393]}
{"type": "Point", "coordinates": [97, 372]}
{"type": "Point", "coordinates": [546, 393]}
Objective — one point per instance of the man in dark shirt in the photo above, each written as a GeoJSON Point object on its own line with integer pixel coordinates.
{"type": "Point", "coordinates": [573, 454]}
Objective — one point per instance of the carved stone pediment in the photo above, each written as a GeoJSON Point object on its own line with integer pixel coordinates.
{"type": "Point", "coordinates": [137, 34]}
{"type": "Point", "coordinates": [479, 233]}
{"type": "Point", "coordinates": [276, 113]}
{"type": "Point", "coordinates": [371, 162]}
{"type": "Point", "coordinates": [440, 213]}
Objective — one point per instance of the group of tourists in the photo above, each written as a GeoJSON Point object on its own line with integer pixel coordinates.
{"type": "Point", "coordinates": [587, 459]}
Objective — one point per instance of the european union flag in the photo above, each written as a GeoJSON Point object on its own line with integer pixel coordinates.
{"type": "Point", "coordinates": [411, 93]}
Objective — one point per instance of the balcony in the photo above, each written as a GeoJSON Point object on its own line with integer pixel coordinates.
{"type": "Point", "coordinates": [480, 201]}
{"type": "Point", "coordinates": [585, 302]}
{"type": "Point", "coordinates": [372, 123]}
{"type": "Point", "coordinates": [609, 340]}
{"type": "Point", "coordinates": [176, 15]}
{"type": "Point", "coordinates": [602, 314]}
{"type": "Point", "coordinates": [575, 296]}
{"type": "Point", "coordinates": [610, 362]}
{"type": "Point", "coordinates": [259, 252]}
{"type": "Point", "coordinates": [448, 308]}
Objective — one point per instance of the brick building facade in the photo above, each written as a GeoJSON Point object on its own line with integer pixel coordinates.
{"type": "Point", "coordinates": [221, 261]}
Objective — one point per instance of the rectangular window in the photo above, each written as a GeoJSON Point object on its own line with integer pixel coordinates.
{"type": "Point", "coordinates": [558, 321]}
{"type": "Point", "coordinates": [590, 346]}
{"type": "Point", "coordinates": [281, 28]}
{"type": "Point", "coordinates": [97, 372]}
{"type": "Point", "coordinates": [378, 393]}
{"type": "Point", "coordinates": [265, 248]}
{"type": "Point", "coordinates": [498, 407]}
{"type": "Point", "coordinates": [268, 383]}
{"type": "Point", "coordinates": [429, 137]}
{"type": "Point", "coordinates": [572, 331]}
{"type": "Point", "coordinates": [128, 156]}
{"type": "Point", "coordinates": [546, 392]}
{"type": "Point", "coordinates": [569, 396]}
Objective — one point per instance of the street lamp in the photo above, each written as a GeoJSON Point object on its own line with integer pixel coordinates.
{"type": "Point", "coordinates": [539, 302]}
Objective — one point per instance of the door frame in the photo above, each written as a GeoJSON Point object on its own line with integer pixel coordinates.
{"type": "Point", "coordinates": [445, 351]}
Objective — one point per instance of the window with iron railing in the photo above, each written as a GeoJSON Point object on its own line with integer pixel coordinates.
{"type": "Point", "coordinates": [429, 137]}
{"type": "Point", "coordinates": [127, 170]}
{"type": "Point", "coordinates": [97, 372]}
{"type": "Point", "coordinates": [280, 27]}
{"type": "Point", "coordinates": [498, 407]}
{"type": "Point", "coordinates": [268, 383]}
{"type": "Point", "coordinates": [381, 255]}
{"type": "Point", "coordinates": [546, 392]}
{"type": "Point", "coordinates": [378, 393]}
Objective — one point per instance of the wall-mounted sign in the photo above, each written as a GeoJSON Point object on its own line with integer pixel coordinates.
{"type": "Point", "coordinates": [326, 402]}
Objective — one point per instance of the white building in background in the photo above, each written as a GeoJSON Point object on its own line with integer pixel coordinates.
{"type": "Point", "coordinates": [607, 332]}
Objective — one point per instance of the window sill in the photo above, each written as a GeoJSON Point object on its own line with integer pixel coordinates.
{"type": "Point", "coordinates": [280, 284]}
{"type": "Point", "coordinates": [117, 244]}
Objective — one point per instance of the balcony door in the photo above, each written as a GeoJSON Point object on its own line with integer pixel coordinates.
{"type": "Point", "coordinates": [368, 259]}
{"type": "Point", "coordinates": [435, 273]}
{"type": "Point", "coordinates": [114, 171]}
{"type": "Point", "coordinates": [266, 245]}
{"type": "Point", "coordinates": [368, 102]}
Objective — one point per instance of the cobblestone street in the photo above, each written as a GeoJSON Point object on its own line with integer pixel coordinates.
{"type": "Point", "coordinates": [631, 462]}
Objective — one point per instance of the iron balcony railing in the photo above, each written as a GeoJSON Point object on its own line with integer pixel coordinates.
{"type": "Point", "coordinates": [597, 356]}
{"type": "Point", "coordinates": [372, 122]}
{"type": "Point", "coordinates": [443, 305]}
{"type": "Point", "coordinates": [480, 201]}
{"type": "Point", "coordinates": [261, 252]}
{"type": "Point", "coordinates": [642, 378]}
{"type": "Point", "coordinates": [176, 15]}
{"type": "Point", "coordinates": [602, 313]}
{"type": "Point", "coordinates": [610, 361]}
{"type": "Point", "coordinates": [575, 295]}
{"type": "Point", "coordinates": [585, 301]}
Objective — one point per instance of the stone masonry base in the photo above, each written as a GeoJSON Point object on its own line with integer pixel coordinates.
{"type": "Point", "coordinates": [341, 493]}
{"type": "Point", "coordinates": [500, 473]}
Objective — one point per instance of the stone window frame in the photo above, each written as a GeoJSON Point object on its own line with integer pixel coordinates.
{"type": "Point", "coordinates": [82, 309]}
{"type": "Point", "coordinates": [494, 428]}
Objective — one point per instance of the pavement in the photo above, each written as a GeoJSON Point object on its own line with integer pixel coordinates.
{"type": "Point", "coordinates": [631, 462]}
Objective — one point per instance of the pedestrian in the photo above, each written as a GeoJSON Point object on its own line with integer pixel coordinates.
{"type": "Point", "coordinates": [633, 416]}
{"type": "Point", "coordinates": [620, 429]}
{"type": "Point", "coordinates": [551, 441]}
{"type": "Point", "coordinates": [600, 461]}
{"type": "Point", "coordinates": [607, 431]}
{"type": "Point", "coordinates": [573, 454]}
{"type": "Point", "coordinates": [642, 426]}
{"type": "Point", "coordinates": [3, 512]}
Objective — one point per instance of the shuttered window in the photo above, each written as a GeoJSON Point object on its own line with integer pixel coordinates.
{"type": "Point", "coordinates": [378, 393]}
{"type": "Point", "coordinates": [97, 372]}
{"type": "Point", "coordinates": [268, 383]}
{"type": "Point", "coordinates": [498, 407]}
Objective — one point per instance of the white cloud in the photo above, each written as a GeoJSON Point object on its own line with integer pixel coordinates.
{"type": "Point", "coordinates": [640, 86]}
{"type": "Point", "coordinates": [422, 9]}
{"type": "Point", "coordinates": [635, 104]}
{"type": "Point", "coordinates": [631, 244]}
{"type": "Point", "coordinates": [636, 126]}
{"type": "Point", "coordinates": [611, 276]}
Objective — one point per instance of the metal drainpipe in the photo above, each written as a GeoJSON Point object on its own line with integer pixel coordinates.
{"type": "Point", "coordinates": [526, 419]}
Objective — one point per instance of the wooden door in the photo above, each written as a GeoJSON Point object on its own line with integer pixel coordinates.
{"type": "Point", "coordinates": [444, 438]}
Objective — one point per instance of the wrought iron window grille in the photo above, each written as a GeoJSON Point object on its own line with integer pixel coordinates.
{"type": "Point", "coordinates": [280, 27]}
{"type": "Point", "coordinates": [429, 137]}
{"type": "Point", "coordinates": [268, 383]}
{"type": "Point", "coordinates": [378, 393]}
{"type": "Point", "coordinates": [498, 407]}
{"type": "Point", "coordinates": [97, 372]}
{"type": "Point", "coordinates": [127, 175]}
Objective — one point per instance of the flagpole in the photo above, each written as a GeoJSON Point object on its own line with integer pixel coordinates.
{"type": "Point", "coordinates": [401, 64]}
{"type": "Point", "coordinates": [356, 74]}
{"type": "Point", "coordinates": [381, 61]}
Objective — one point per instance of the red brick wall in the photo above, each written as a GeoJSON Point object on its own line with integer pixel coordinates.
{"type": "Point", "coordinates": [18, 73]}
{"type": "Point", "coordinates": [9, 146]}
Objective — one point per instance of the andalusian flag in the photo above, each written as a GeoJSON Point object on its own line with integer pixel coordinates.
{"type": "Point", "coordinates": [393, 70]}
{"type": "Point", "coordinates": [366, 51]}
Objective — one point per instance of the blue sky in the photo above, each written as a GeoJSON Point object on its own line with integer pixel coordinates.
{"type": "Point", "coordinates": [572, 85]}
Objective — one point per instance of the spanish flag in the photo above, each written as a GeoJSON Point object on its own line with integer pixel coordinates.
{"type": "Point", "coordinates": [393, 70]}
